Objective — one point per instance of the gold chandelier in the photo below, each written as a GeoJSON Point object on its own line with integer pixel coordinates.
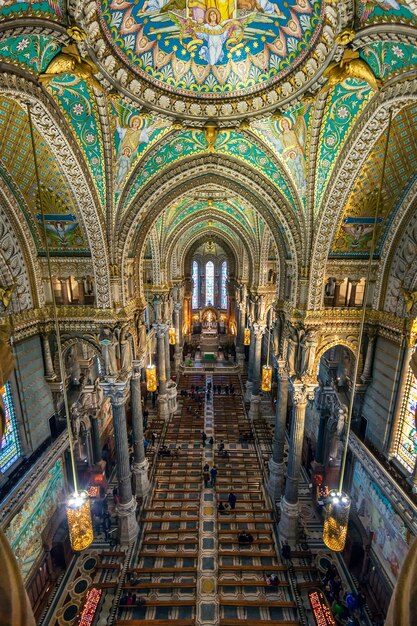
{"type": "Point", "coordinates": [337, 506]}
{"type": "Point", "coordinates": [78, 504]}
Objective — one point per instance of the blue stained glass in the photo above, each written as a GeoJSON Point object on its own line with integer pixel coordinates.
{"type": "Point", "coordinates": [223, 298]}
{"type": "Point", "coordinates": [209, 283]}
{"type": "Point", "coordinates": [10, 449]}
{"type": "Point", "coordinates": [194, 302]}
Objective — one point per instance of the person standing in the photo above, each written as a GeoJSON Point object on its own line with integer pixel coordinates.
{"type": "Point", "coordinates": [213, 474]}
{"type": "Point", "coordinates": [232, 500]}
{"type": "Point", "coordinates": [203, 438]}
{"type": "Point", "coordinates": [206, 477]}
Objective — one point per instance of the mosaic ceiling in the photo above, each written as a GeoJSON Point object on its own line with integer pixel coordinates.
{"type": "Point", "coordinates": [210, 47]}
{"type": "Point", "coordinates": [64, 230]}
{"type": "Point", "coordinates": [196, 61]}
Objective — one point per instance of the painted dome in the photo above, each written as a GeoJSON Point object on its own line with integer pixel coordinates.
{"type": "Point", "coordinates": [213, 51]}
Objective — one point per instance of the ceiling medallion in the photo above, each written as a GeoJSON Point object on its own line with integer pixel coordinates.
{"type": "Point", "coordinates": [211, 58]}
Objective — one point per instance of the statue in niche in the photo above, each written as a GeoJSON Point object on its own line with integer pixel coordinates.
{"type": "Point", "coordinates": [308, 345]}
{"type": "Point", "coordinates": [99, 394]}
{"type": "Point", "coordinates": [126, 353]}
{"type": "Point", "coordinates": [75, 420]}
{"type": "Point", "coordinates": [110, 345]}
{"type": "Point", "coordinates": [292, 350]}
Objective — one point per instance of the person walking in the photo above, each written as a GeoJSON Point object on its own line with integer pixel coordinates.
{"type": "Point", "coordinates": [154, 435]}
{"type": "Point", "coordinates": [206, 477]}
{"type": "Point", "coordinates": [211, 441]}
{"type": "Point", "coordinates": [213, 474]}
{"type": "Point", "coordinates": [203, 438]}
{"type": "Point", "coordinates": [232, 500]}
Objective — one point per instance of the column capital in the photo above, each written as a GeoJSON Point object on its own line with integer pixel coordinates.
{"type": "Point", "coordinates": [259, 330]}
{"type": "Point", "coordinates": [177, 306]}
{"type": "Point", "coordinates": [116, 390]}
{"type": "Point", "coordinates": [301, 392]}
{"type": "Point", "coordinates": [137, 366]}
{"type": "Point", "coordinates": [282, 368]}
{"type": "Point", "coordinates": [160, 330]}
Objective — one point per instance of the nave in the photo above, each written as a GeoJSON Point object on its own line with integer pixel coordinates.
{"type": "Point", "coordinates": [189, 566]}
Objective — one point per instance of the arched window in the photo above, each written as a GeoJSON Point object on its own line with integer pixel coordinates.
{"type": "Point", "coordinates": [209, 283]}
{"type": "Point", "coordinates": [223, 291]}
{"type": "Point", "coordinates": [196, 286]}
{"type": "Point", "coordinates": [10, 450]}
{"type": "Point", "coordinates": [406, 444]}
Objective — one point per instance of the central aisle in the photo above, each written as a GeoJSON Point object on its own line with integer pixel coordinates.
{"type": "Point", "coordinates": [189, 568]}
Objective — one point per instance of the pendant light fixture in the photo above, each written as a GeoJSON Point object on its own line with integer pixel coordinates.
{"type": "Point", "coordinates": [337, 507]}
{"type": "Point", "coordinates": [266, 384]}
{"type": "Point", "coordinates": [78, 504]}
{"type": "Point", "coordinates": [150, 373]}
{"type": "Point", "coordinates": [246, 337]}
{"type": "Point", "coordinates": [172, 336]}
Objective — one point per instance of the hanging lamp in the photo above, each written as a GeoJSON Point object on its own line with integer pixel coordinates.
{"type": "Point", "coordinates": [266, 384]}
{"type": "Point", "coordinates": [246, 337]}
{"type": "Point", "coordinates": [78, 504]}
{"type": "Point", "coordinates": [337, 506]}
{"type": "Point", "coordinates": [172, 336]}
{"type": "Point", "coordinates": [150, 374]}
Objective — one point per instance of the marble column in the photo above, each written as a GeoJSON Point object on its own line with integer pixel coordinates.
{"type": "Point", "coordinates": [367, 368]}
{"type": "Point", "coordinates": [240, 348]}
{"type": "Point", "coordinates": [249, 382]}
{"type": "Point", "coordinates": [117, 391]}
{"type": "Point", "coordinates": [288, 525]}
{"type": "Point", "coordinates": [141, 484]}
{"type": "Point", "coordinates": [276, 462]}
{"type": "Point", "coordinates": [255, 399]}
{"type": "Point", "coordinates": [178, 337]}
{"type": "Point", "coordinates": [49, 365]}
{"type": "Point", "coordinates": [167, 355]}
{"type": "Point", "coordinates": [95, 437]}
{"type": "Point", "coordinates": [162, 379]}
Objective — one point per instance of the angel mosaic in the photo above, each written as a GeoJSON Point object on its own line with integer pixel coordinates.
{"type": "Point", "coordinates": [214, 33]}
{"type": "Point", "coordinates": [132, 132]}
{"type": "Point", "coordinates": [288, 135]}
{"type": "Point", "coordinates": [367, 7]}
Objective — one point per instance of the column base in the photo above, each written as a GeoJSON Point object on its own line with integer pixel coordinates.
{"type": "Point", "coordinates": [276, 479]}
{"type": "Point", "coordinates": [128, 526]}
{"type": "Point", "coordinates": [140, 480]}
{"type": "Point", "coordinates": [163, 410]}
{"type": "Point", "coordinates": [255, 407]}
{"type": "Point", "coordinates": [248, 392]}
{"type": "Point", "coordinates": [288, 524]}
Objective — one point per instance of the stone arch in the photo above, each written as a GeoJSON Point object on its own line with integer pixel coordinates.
{"type": "Point", "coordinates": [193, 244]}
{"type": "Point", "coordinates": [18, 256]}
{"type": "Point", "coordinates": [181, 180]}
{"type": "Point", "coordinates": [366, 131]}
{"type": "Point", "coordinates": [72, 341]}
{"type": "Point", "coordinates": [324, 346]}
{"type": "Point", "coordinates": [50, 123]}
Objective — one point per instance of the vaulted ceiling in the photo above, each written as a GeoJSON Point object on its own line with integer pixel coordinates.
{"type": "Point", "coordinates": [133, 91]}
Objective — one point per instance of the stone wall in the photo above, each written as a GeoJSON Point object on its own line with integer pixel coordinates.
{"type": "Point", "coordinates": [35, 395]}
{"type": "Point", "coordinates": [379, 401]}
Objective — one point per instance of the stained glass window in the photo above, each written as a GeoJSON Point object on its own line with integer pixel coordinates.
{"type": "Point", "coordinates": [406, 449]}
{"type": "Point", "coordinates": [209, 283]}
{"type": "Point", "coordinates": [223, 296]}
{"type": "Point", "coordinates": [10, 449]}
{"type": "Point", "coordinates": [196, 285]}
